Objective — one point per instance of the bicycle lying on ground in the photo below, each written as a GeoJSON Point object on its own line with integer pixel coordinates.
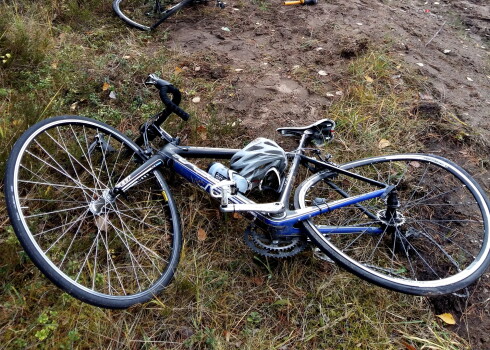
{"type": "Point", "coordinates": [93, 211]}
{"type": "Point", "coordinates": [149, 14]}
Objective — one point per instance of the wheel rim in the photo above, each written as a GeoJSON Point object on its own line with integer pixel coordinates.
{"type": "Point", "coordinates": [430, 248]}
{"type": "Point", "coordinates": [123, 251]}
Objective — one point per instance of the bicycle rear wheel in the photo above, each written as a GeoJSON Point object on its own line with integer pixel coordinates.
{"type": "Point", "coordinates": [438, 245]}
{"type": "Point", "coordinates": [147, 14]}
{"type": "Point", "coordinates": [117, 256]}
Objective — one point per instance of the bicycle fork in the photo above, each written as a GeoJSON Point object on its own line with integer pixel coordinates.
{"type": "Point", "coordinates": [109, 195]}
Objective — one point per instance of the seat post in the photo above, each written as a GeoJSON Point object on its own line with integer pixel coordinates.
{"type": "Point", "coordinates": [293, 170]}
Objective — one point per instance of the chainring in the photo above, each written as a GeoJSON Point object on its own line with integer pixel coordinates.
{"type": "Point", "coordinates": [274, 247]}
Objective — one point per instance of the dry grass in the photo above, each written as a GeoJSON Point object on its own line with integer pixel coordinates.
{"type": "Point", "coordinates": [223, 296]}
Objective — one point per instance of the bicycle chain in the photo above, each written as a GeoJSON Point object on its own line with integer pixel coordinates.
{"type": "Point", "coordinates": [263, 245]}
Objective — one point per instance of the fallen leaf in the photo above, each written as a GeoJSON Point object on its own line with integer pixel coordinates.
{"type": "Point", "coordinates": [408, 346]}
{"type": "Point", "coordinates": [258, 281]}
{"type": "Point", "coordinates": [178, 70]}
{"type": "Point", "coordinates": [447, 318]}
{"type": "Point", "coordinates": [415, 164]}
{"type": "Point", "coordinates": [282, 302]}
{"type": "Point", "coordinates": [201, 235]}
{"type": "Point", "coordinates": [368, 79]}
{"type": "Point", "coordinates": [227, 336]}
{"type": "Point", "coordinates": [383, 143]}
{"type": "Point", "coordinates": [106, 86]}
{"type": "Point", "coordinates": [73, 106]}
{"type": "Point", "coordinates": [236, 215]}
{"type": "Point", "coordinates": [202, 132]}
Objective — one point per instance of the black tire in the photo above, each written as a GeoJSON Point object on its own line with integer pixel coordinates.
{"type": "Point", "coordinates": [147, 14]}
{"type": "Point", "coordinates": [122, 255]}
{"type": "Point", "coordinates": [440, 243]}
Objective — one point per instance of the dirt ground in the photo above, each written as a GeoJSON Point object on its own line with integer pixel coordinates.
{"type": "Point", "coordinates": [446, 41]}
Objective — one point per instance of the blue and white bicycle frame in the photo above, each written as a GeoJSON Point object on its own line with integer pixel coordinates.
{"type": "Point", "coordinates": [275, 215]}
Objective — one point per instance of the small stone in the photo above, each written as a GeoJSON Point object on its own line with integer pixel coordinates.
{"type": "Point", "coordinates": [197, 68]}
{"type": "Point", "coordinates": [469, 79]}
{"type": "Point", "coordinates": [329, 94]}
{"type": "Point", "coordinates": [446, 51]}
{"type": "Point", "coordinates": [322, 73]}
{"type": "Point", "coordinates": [339, 93]}
{"type": "Point", "coordinates": [112, 95]}
{"type": "Point", "coordinates": [238, 69]}
{"type": "Point", "coordinates": [196, 99]}
{"type": "Point", "coordinates": [420, 64]}
{"type": "Point", "coordinates": [359, 23]}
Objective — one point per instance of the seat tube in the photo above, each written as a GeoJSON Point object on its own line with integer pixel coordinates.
{"type": "Point", "coordinates": [293, 170]}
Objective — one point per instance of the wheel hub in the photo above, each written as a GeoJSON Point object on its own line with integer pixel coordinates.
{"type": "Point", "coordinates": [97, 205]}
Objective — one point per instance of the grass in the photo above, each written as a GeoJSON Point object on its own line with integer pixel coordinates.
{"type": "Point", "coordinates": [223, 297]}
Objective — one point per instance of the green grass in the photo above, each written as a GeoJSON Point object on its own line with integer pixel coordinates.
{"type": "Point", "coordinates": [223, 297]}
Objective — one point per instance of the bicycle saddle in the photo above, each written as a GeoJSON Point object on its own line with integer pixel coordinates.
{"type": "Point", "coordinates": [322, 128]}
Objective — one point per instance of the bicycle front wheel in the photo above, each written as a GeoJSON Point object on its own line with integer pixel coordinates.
{"type": "Point", "coordinates": [147, 14]}
{"type": "Point", "coordinates": [439, 242]}
{"type": "Point", "coordinates": [119, 255]}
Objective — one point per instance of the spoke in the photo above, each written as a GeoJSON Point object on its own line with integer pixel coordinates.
{"type": "Point", "coordinates": [48, 200]}
{"type": "Point", "coordinates": [418, 185]}
{"type": "Point", "coordinates": [64, 232]}
{"type": "Point", "coordinates": [430, 238]}
{"type": "Point", "coordinates": [55, 211]}
{"type": "Point", "coordinates": [123, 238]}
{"type": "Point", "coordinates": [60, 168]}
{"type": "Point", "coordinates": [405, 250]}
{"type": "Point", "coordinates": [71, 243]}
{"type": "Point", "coordinates": [423, 259]}
{"type": "Point", "coordinates": [421, 200]}
{"type": "Point", "coordinates": [449, 239]}
{"type": "Point", "coordinates": [96, 242]}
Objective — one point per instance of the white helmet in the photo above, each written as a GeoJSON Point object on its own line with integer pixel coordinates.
{"type": "Point", "coordinates": [255, 160]}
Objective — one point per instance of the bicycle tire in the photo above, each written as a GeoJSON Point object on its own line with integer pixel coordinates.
{"type": "Point", "coordinates": [441, 243]}
{"type": "Point", "coordinates": [147, 14]}
{"type": "Point", "coordinates": [125, 253]}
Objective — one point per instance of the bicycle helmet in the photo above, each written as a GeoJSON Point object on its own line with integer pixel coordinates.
{"type": "Point", "coordinates": [257, 158]}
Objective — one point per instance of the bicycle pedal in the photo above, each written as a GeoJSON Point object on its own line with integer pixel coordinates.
{"type": "Point", "coordinates": [317, 253]}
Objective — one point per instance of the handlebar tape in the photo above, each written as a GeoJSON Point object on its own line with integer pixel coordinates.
{"type": "Point", "coordinates": [172, 105]}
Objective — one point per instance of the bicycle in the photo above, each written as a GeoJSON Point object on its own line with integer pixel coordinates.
{"type": "Point", "coordinates": [94, 213]}
{"type": "Point", "coordinates": [149, 14]}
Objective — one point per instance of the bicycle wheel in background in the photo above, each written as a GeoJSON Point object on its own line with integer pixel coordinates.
{"type": "Point", "coordinates": [440, 242]}
{"type": "Point", "coordinates": [147, 14]}
{"type": "Point", "coordinates": [118, 255]}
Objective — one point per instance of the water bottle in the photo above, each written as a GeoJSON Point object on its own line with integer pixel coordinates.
{"type": "Point", "coordinates": [221, 172]}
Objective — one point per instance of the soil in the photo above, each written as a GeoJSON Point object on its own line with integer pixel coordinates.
{"type": "Point", "coordinates": [263, 43]}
